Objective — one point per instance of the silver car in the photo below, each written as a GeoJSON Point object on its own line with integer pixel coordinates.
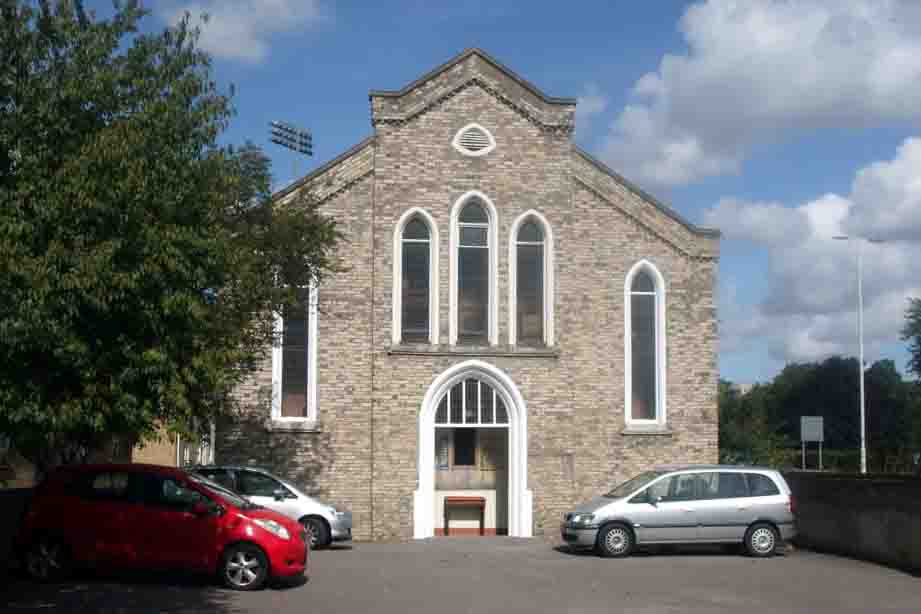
{"type": "Point", "coordinates": [687, 504]}
{"type": "Point", "coordinates": [324, 523]}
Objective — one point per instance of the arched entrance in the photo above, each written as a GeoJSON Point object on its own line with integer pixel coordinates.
{"type": "Point", "coordinates": [506, 395]}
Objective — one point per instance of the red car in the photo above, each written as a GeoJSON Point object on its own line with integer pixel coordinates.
{"type": "Point", "coordinates": [145, 516]}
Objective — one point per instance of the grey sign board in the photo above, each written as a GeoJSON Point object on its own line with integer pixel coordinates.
{"type": "Point", "coordinates": [810, 428]}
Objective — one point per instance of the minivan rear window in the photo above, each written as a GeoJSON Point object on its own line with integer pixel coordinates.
{"type": "Point", "coordinates": [761, 485]}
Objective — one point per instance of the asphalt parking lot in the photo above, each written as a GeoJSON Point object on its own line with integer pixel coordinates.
{"type": "Point", "coordinates": [507, 575]}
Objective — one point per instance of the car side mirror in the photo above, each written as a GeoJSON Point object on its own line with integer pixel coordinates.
{"type": "Point", "coordinates": [653, 501]}
{"type": "Point", "coordinates": [280, 494]}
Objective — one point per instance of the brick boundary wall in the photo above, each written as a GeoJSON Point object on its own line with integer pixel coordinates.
{"type": "Point", "coordinates": [873, 518]}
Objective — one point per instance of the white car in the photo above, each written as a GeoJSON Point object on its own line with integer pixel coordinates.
{"type": "Point", "coordinates": [324, 523]}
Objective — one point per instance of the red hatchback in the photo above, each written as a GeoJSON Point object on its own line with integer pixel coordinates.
{"type": "Point", "coordinates": [145, 516]}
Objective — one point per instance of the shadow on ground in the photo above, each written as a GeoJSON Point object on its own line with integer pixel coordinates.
{"type": "Point", "coordinates": [125, 593]}
{"type": "Point", "coordinates": [666, 550]}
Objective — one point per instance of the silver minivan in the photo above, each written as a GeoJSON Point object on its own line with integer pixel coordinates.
{"type": "Point", "coordinates": [752, 506]}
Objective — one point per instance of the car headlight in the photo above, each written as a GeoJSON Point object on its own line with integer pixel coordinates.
{"type": "Point", "coordinates": [332, 510]}
{"type": "Point", "coordinates": [273, 527]}
{"type": "Point", "coordinates": [582, 518]}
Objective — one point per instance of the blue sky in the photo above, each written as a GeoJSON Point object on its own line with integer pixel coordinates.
{"type": "Point", "coordinates": [782, 123]}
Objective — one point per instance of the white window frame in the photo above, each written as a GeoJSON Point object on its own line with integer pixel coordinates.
{"type": "Point", "coordinates": [661, 419]}
{"type": "Point", "coordinates": [492, 309]}
{"type": "Point", "coordinates": [397, 296]}
{"type": "Point", "coordinates": [467, 152]}
{"type": "Point", "coordinates": [513, 276]}
{"type": "Point", "coordinates": [446, 397]}
{"type": "Point", "coordinates": [277, 355]}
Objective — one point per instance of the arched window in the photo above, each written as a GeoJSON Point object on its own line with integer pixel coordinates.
{"type": "Point", "coordinates": [415, 279]}
{"type": "Point", "coordinates": [644, 341]}
{"type": "Point", "coordinates": [471, 402]}
{"type": "Point", "coordinates": [530, 281]}
{"type": "Point", "coordinates": [473, 271]}
{"type": "Point", "coordinates": [415, 317]}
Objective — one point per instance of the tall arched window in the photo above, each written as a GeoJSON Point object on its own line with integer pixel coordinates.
{"type": "Point", "coordinates": [415, 316]}
{"type": "Point", "coordinates": [473, 304]}
{"type": "Point", "coordinates": [415, 279]}
{"type": "Point", "coordinates": [473, 274]}
{"type": "Point", "coordinates": [530, 281]}
{"type": "Point", "coordinates": [644, 303]}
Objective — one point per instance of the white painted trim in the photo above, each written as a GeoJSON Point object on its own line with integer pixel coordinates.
{"type": "Point", "coordinates": [475, 154]}
{"type": "Point", "coordinates": [519, 497]}
{"type": "Point", "coordinates": [277, 354]}
{"type": "Point", "coordinates": [661, 366]}
{"type": "Point", "coordinates": [548, 280]}
{"type": "Point", "coordinates": [397, 296]}
{"type": "Point", "coordinates": [493, 307]}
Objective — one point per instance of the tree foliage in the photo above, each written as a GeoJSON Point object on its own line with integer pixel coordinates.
{"type": "Point", "coordinates": [140, 261]}
{"type": "Point", "coordinates": [911, 332]}
{"type": "Point", "coordinates": [763, 426]}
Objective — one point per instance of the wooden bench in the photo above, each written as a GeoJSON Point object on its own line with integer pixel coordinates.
{"type": "Point", "coordinates": [479, 502]}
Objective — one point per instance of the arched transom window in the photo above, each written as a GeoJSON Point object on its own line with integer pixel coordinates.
{"type": "Point", "coordinates": [645, 345]}
{"type": "Point", "coordinates": [471, 402]}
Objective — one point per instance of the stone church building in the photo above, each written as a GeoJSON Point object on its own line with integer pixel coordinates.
{"type": "Point", "coordinates": [516, 323]}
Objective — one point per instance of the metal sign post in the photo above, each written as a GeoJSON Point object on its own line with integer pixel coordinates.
{"type": "Point", "coordinates": [811, 428]}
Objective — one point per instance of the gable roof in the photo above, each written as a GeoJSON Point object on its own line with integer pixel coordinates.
{"type": "Point", "coordinates": [698, 230]}
{"type": "Point", "coordinates": [309, 177]}
{"type": "Point", "coordinates": [458, 59]}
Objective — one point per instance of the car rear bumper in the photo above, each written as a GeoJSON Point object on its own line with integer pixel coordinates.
{"type": "Point", "coordinates": [341, 527]}
{"type": "Point", "coordinates": [787, 531]}
{"type": "Point", "coordinates": [578, 538]}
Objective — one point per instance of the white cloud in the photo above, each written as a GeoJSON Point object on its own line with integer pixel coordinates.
{"type": "Point", "coordinates": [590, 104]}
{"type": "Point", "coordinates": [240, 29]}
{"type": "Point", "coordinates": [809, 311]}
{"type": "Point", "coordinates": [758, 71]}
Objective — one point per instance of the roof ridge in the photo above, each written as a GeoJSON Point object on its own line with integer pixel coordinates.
{"type": "Point", "coordinates": [299, 183]}
{"type": "Point", "coordinates": [666, 209]}
{"type": "Point", "coordinates": [460, 57]}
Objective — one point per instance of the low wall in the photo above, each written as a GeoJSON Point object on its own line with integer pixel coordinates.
{"type": "Point", "coordinates": [875, 517]}
{"type": "Point", "coordinates": [12, 506]}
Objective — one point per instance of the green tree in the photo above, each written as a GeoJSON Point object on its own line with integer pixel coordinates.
{"type": "Point", "coordinates": [911, 332]}
{"type": "Point", "coordinates": [140, 261]}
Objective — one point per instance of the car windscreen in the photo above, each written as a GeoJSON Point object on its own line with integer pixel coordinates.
{"type": "Point", "coordinates": [228, 495]}
{"type": "Point", "coordinates": [633, 484]}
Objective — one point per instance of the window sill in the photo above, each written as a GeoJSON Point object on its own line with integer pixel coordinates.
{"type": "Point", "coordinates": [292, 426]}
{"type": "Point", "coordinates": [658, 430]}
{"type": "Point", "coordinates": [422, 349]}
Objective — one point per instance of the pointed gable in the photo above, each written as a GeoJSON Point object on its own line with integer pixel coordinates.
{"type": "Point", "coordinates": [473, 67]}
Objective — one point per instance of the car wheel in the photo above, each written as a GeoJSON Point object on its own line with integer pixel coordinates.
{"type": "Point", "coordinates": [317, 533]}
{"type": "Point", "coordinates": [761, 540]}
{"type": "Point", "coordinates": [615, 541]}
{"type": "Point", "coordinates": [47, 560]}
{"type": "Point", "coordinates": [244, 567]}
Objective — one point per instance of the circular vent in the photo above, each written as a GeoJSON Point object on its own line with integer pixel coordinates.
{"type": "Point", "coordinates": [474, 140]}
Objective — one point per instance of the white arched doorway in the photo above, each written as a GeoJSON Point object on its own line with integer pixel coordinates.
{"type": "Point", "coordinates": [519, 497]}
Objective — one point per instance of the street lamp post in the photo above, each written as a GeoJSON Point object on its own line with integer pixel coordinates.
{"type": "Point", "coordinates": [863, 420]}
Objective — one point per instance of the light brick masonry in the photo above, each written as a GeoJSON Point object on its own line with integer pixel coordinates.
{"type": "Point", "coordinates": [363, 452]}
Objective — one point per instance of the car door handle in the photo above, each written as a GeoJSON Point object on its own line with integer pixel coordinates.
{"type": "Point", "coordinates": [742, 508]}
{"type": "Point", "coordinates": [687, 509]}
